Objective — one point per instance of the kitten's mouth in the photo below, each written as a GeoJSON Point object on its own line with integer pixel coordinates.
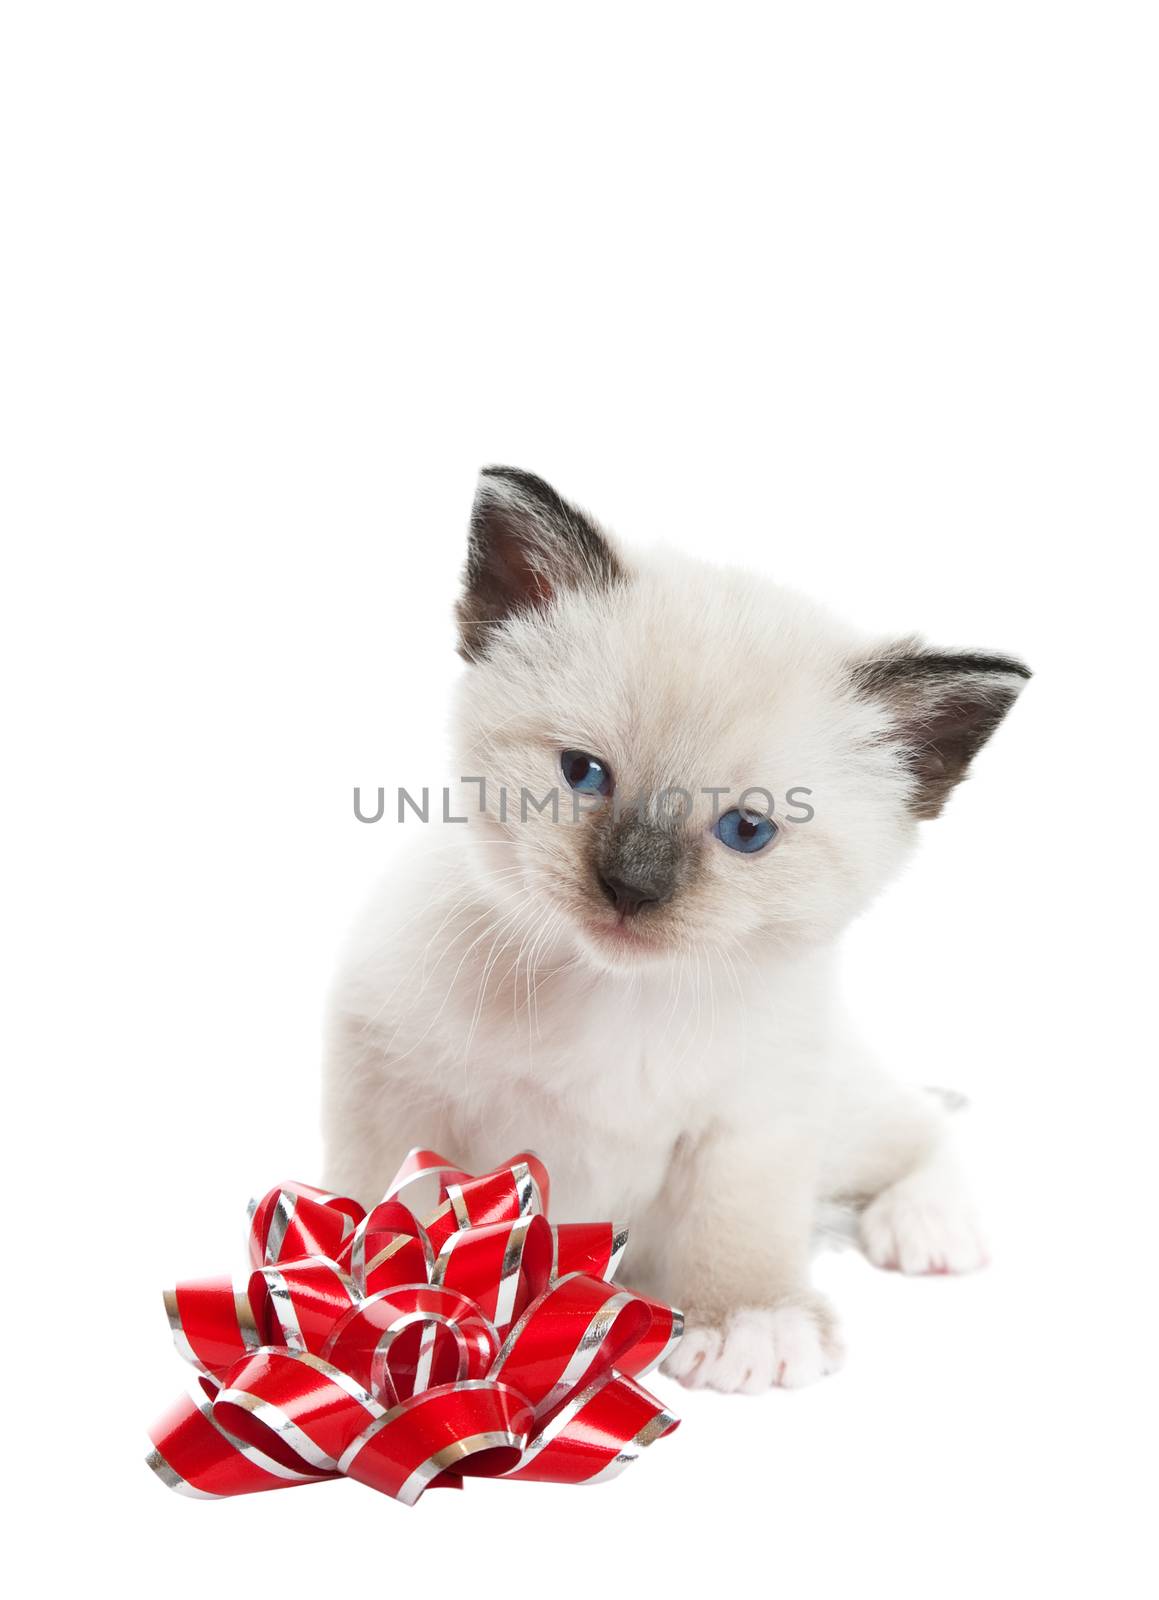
{"type": "Point", "coordinates": [624, 935]}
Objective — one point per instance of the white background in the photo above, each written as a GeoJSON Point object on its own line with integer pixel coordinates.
{"type": "Point", "coordinates": [860, 295]}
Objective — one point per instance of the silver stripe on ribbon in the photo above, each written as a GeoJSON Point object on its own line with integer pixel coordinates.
{"type": "Point", "coordinates": [358, 1254]}
{"type": "Point", "coordinates": [283, 1425]}
{"type": "Point", "coordinates": [447, 1457]}
{"type": "Point", "coordinates": [619, 1245]}
{"type": "Point", "coordinates": [360, 1268]}
{"type": "Point", "coordinates": [283, 1305]}
{"type": "Point", "coordinates": [343, 1379]}
{"type": "Point", "coordinates": [427, 1355]}
{"type": "Point", "coordinates": [400, 1183]}
{"type": "Point", "coordinates": [458, 1205]}
{"type": "Point", "coordinates": [652, 1430]}
{"type": "Point", "coordinates": [428, 1248]}
{"type": "Point", "coordinates": [172, 1479]}
{"type": "Point", "coordinates": [381, 1381]}
{"type": "Point", "coordinates": [393, 1248]}
{"type": "Point", "coordinates": [537, 1194]}
{"type": "Point", "coordinates": [588, 1348]}
{"type": "Point", "coordinates": [525, 1187]}
{"type": "Point", "coordinates": [509, 1272]}
{"type": "Point", "coordinates": [348, 1221]}
{"type": "Point", "coordinates": [180, 1337]}
{"type": "Point", "coordinates": [251, 1452]}
{"type": "Point", "coordinates": [439, 1270]}
{"type": "Point", "coordinates": [367, 1434]}
{"type": "Point", "coordinates": [514, 1332]}
{"type": "Point", "coordinates": [244, 1312]}
{"type": "Point", "coordinates": [279, 1222]}
{"type": "Point", "coordinates": [559, 1422]}
{"type": "Point", "coordinates": [674, 1339]}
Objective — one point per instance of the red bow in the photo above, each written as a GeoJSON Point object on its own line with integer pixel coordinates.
{"type": "Point", "coordinates": [482, 1342]}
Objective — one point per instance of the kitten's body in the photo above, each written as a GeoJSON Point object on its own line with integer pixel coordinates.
{"type": "Point", "coordinates": [683, 1067]}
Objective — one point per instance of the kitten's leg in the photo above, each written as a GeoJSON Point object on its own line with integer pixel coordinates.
{"type": "Point", "coordinates": [370, 1117]}
{"type": "Point", "coordinates": [925, 1222]}
{"type": "Point", "coordinates": [737, 1262]}
{"type": "Point", "coordinates": [892, 1151]}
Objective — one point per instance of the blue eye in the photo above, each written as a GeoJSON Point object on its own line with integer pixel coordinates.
{"type": "Point", "coordinates": [586, 773]}
{"type": "Point", "coordinates": [745, 830]}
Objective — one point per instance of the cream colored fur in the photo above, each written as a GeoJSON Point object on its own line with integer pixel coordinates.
{"type": "Point", "coordinates": [698, 1081]}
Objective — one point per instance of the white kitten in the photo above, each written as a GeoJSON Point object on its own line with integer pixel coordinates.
{"type": "Point", "coordinates": [641, 991]}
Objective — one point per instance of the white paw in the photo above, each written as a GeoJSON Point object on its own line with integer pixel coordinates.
{"type": "Point", "coordinates": [789, 1346]}
{"type": "Point", "coordinates": [922, 1226]}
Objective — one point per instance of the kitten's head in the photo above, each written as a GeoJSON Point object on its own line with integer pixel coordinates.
{"type": "Point", "coordinates": [681, 757]}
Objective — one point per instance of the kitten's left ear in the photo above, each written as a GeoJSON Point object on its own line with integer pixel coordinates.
{"type": "Point", "coordinates": [527, 544]}
{"type": "Point", "coordinates": [946, 705]}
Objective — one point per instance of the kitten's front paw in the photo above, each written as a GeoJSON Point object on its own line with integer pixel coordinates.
{"type": "Point", "coordinates": [917, 1227]}
{"type": "Point", "coordinates": [788, 1345]}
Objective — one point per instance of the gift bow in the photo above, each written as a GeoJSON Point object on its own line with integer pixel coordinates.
{"type": "Point", "coordinates": [483, 1341]}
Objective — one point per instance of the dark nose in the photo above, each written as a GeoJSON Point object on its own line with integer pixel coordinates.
{"type": "Point", "coordinates": [638, 865]}
{"type": "Point", "coordinates": [628, 898]}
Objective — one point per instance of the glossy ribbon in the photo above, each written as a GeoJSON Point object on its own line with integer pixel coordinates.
{"type": "Point", "coordinates": [482, 1341]}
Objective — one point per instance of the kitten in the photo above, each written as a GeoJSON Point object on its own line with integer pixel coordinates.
{"type": "Point", "coordinates": [642, 989]}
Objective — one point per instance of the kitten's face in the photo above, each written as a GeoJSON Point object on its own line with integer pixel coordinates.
{"type": "Point", "coordinates": [627, 694]}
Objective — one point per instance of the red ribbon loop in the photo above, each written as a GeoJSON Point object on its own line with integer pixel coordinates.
{"type": "Point", "coordinates": [574, 1331]}
{"type": "Point", "coordinates": [482, 1341]}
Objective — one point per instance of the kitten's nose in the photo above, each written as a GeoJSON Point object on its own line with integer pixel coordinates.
{"type": "Point", "coordinates": [639, 865]}
{"type": "Point", "coordinates": [628, 898]}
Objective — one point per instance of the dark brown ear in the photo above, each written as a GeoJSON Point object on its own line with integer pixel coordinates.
{"type": "Point", "coordinates": [946, 705]}
{"type": "Point", "coordinates": [526, 543]}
